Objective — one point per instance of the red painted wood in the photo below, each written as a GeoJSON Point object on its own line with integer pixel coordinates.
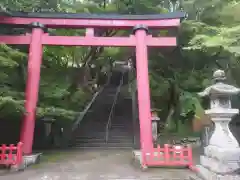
{"type": "Point", "coordinates": [88, 41]}
{"type": "Point", "coordinates": [86, 23]}
{"type": "Point", "coordinates": [143, 92]}
{"type": "Point", "coordinates": [11, 155]}
{"type": "Point", "coordinates": [170, 156]}
{"type": "Point", "coordinates": [33, 79]}
{"type": "Point", "coordinates": [91, 41]}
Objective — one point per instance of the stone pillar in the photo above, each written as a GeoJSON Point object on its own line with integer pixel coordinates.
{"type": "Point", "coordinates": [221, 159]}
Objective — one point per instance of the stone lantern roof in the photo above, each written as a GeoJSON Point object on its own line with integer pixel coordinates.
{"type": "Point", "coordinates": [219, 88]}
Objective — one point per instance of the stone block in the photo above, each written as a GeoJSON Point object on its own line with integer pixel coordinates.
{"type": "Point", "coordinates": [218, 166]}
{"type": "Point", "coordinates": [194, 177]}
{"type": "Point", "coordinates": [27, 161]}
{"type": "Point", "coordinates": [137, 155]}
{"type": "Point", "coordinates": [223, 154]}
{"type": "Point", "coordinates": [207, 174]}
{"type": "Point", "coordinates": [31, 159]}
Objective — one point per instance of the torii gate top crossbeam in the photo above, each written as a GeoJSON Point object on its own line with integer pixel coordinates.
{"type": "Point", "coordinates": [66, 20]}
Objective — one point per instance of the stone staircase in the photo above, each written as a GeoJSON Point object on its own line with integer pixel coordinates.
{"type": "Point", "coordinates": [92, 130]}
{"type": "Point", "coordinates": [120, 136]}
{"type": "Point", "coordinates": [121, 130]}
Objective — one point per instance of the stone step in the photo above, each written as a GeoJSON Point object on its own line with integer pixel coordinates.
{"type": "Point", "coordinates": [120, 126]}
{"type": "Point", "coordinates": [114, 138]}
{"type": "Point", "coordinates": [101, 128]}
{"type": "Point", "coordinates": [90, 136]}
{"type": "Point", "coordinates": [98, 120]}
{"type": "Point", "coordinates": [94, 125]}
{"type": "Point", "coordinates": [98, 135]}
{"type": "Point", "coordinates": [106, 92]}
{"type": "Point", "coordinates": [119, 133]}
{"type": "Point", "coordinates": [77, 141]}
{"type": "Point", "coordinates": [92, 129]}
{"type": "Point", "coordinates": [109, 96]}
{"type": "Point", "coordinates": [120, 141]}
{"type": "Point", "coordinates": [104, 145]}
{"type": "Point", "coordinates": [121, 123]}
{"type": "Point", "coordinates": [120, 137]}
{"type": "Point", "coordinates": [89, 140]}
{"type": "Point", "coordinates": [87, 136]}
{"type": "Point", "coordinates": [121, 129]}
{"type": "Point", "coordinates": [92, 132]}
{"type": "Point", "coordinates": [102, 131]}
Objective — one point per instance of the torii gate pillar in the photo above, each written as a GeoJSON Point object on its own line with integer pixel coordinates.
{"type": "Point", "coordinates": [32, 87]}
{"type": "Point", "coordinates": [143, 88]}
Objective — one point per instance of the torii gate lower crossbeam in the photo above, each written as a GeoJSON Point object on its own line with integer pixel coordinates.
{"type": "Point", "coordinates": [140, 39]}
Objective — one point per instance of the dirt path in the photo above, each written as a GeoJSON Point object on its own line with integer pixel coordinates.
{"type": "Point", "coordinates": [95, 165]}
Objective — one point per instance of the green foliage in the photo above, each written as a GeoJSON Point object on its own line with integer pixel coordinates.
{"type": "Point", "coordinates": [9, 56]}
{"type": "Point", "coordinates": [209, 36]}
{"type": "Point", "coordinates": [188, 101]}
{"type": "Point", "coordinates": [56, 113]}
{"type": "Point", "coordinates": [225, 38]}
{"type": "Point", "coordinates": [11, 108]}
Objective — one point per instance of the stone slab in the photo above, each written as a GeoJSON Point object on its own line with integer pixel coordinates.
{"type": "Point", "coordinates": [32, 159]}
{"type": "Point", "coordinates": [194, 177]}
{"type": "Point", "coordinates": [27, 161]}
{"type": "Point", "coordinates": [222, 154]}
{"type": "Point", "coordinates": [218, 166]}
{"type": "Point", "coordinates": [137, 156]}
{"type": "Point", "coordinates": [206, 174]}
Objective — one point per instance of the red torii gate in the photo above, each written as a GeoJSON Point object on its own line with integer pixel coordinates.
{"type": "Point", "coordinates": [140, 24]}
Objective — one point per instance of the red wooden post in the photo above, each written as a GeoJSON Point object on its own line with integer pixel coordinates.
{"type": "Point", "coordinates": [166, 154]}
{"type": "Point", "coordinates": [189, 156]}
{"type": "Point", "coordinates": [10, 153]}
{"type": "Point", "coordinates": [3, 153]}
{"type": "Point", "coordinates": [143, 90]}
{"type": "Point", "coordinates": [19, 155]}
{"type": "Point", "coordinates": [34, 66]}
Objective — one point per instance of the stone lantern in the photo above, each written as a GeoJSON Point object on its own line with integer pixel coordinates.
{"type": "Point", "coordinates": [221, 159]}
{"type": "Point", "coordinates": [155, 119]}
{"type": "Point", "coordinates": [48, 122]}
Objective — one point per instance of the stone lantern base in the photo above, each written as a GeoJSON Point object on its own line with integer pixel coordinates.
{"type": "Point", "coordinates": [207, 174]}
{"type": "Point", "coordinates": [219, 164]}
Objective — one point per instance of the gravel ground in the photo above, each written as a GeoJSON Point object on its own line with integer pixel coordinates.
{"type": "Point", "coordinates": [95, 165]}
